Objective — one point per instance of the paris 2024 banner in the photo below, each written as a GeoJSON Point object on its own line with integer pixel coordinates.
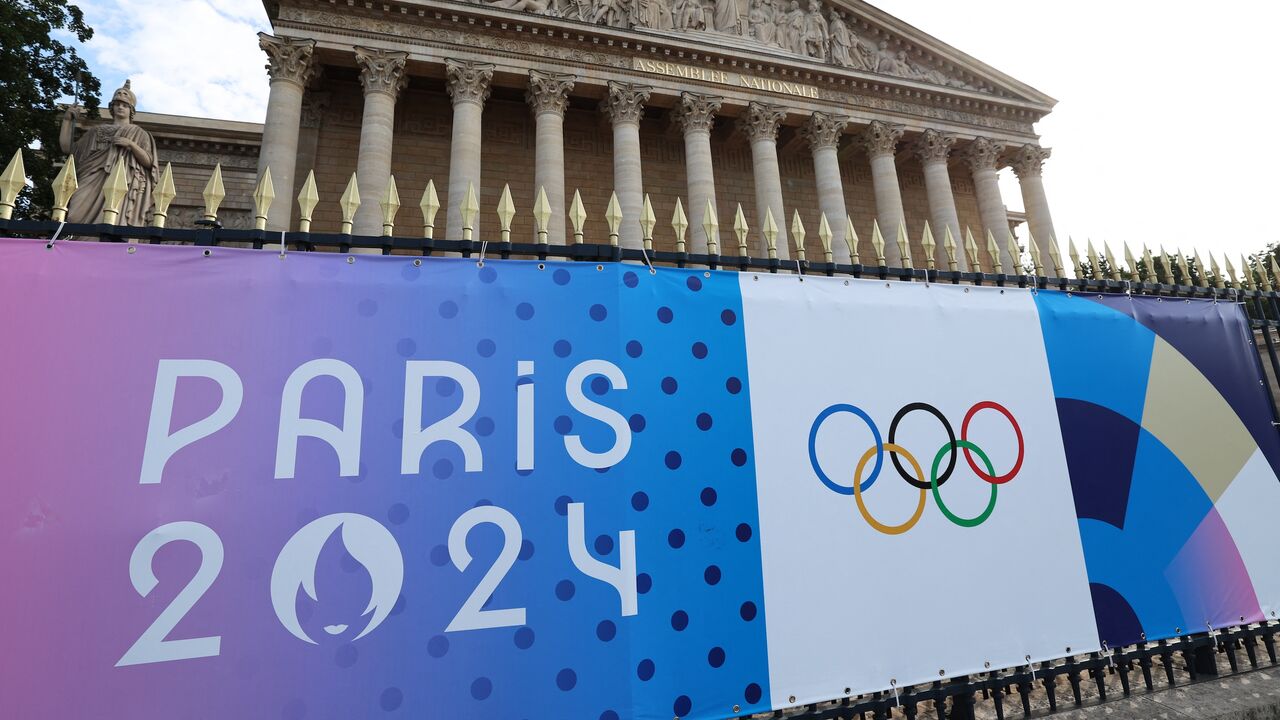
{"type": "Point", "coordinates": [241, 484]}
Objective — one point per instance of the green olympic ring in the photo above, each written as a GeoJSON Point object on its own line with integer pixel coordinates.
{"type": "Point", "coordinates": [949, 447]}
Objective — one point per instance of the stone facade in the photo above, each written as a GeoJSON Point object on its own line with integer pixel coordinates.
{"type": "Point", "coordinates": [861, 114]}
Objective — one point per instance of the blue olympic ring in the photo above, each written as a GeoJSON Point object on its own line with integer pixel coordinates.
{"type": "Point", "coordinates": [813, 448]}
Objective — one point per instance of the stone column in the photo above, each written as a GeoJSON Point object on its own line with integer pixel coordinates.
{"type": "Point", "coordinates": [548, 96]}
{"type": "Point", "coordinates": [933, 148]}
{"type": "Point", "coordinates": [1028, 162]}
{"type": "Point", "coordinates": [881, 141]}
{"type": "Point", "coordinates": [382, 74]}
{"type": "Point", "coordinates": [290, 67]}
{"type": "Point", "coordinates": [625, 104]}
{"type": "Point", "coordinates": [823, 133]}
{"type": "Point", "coordinates": [760, 123]}
{"type": "Point", "coordinates": [696, 114]}
{"type": "Point", "coordinates": [468, 85]}
{"type": "Point", "coordinates": [983, 156]}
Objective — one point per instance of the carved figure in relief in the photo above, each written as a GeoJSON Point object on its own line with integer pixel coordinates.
{"type": "Point", "coordinates": [844, 44]}
{"type": "Point", "coordinates": [97, 153]}
{"type": "Point", "coordinates": [575, 9]}
{"type": "Point", "coordinates": [793, 33]}
{"type": "Point", "coordinates": [690, 15]}
{"type": "Point", "coordinates": [613, 13]}
{"type": "Point", "coordinates": [727, 17]}
{"type": "Point", "coordinates": [814, 43]}
{"type": "Point", "coordinates": [534, 6]}
{"type": "Point", "coordinates": [654, 14]}
{"type": "Point", "coordinates": [760, 22]}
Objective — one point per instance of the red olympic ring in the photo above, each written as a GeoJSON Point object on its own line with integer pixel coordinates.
{"type": "Point", "coordinates": [964, 435]}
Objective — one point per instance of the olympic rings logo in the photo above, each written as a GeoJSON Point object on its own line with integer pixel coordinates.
{"type": "Point", "coordinates": [916, 479]}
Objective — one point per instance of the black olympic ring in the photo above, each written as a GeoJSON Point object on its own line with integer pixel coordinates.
{"type": "Point", "coordinates": [951, 441]}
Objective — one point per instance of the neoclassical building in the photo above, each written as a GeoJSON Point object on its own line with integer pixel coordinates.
{"type": "Point", "coordinates": [831, 109]}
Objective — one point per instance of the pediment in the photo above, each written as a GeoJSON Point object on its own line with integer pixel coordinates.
{"type": "Point", "coordinates": [847, 34]}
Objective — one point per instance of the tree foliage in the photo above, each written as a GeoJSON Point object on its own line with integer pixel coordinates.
{"type": "Point", "coordinates": [36, 70]}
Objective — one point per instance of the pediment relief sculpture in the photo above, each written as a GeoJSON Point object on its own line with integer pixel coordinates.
{"type": "Point", "coordinates": [807, 28]}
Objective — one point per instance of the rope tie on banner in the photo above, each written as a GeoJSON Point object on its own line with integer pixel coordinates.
{"type": "Point", "coordinates": [645, 254]}
{"type": "Point", "coordinates": [56, 233]}
{"type": "Point", "coordinates": [484, 245]}
{"type": "Point", "coordinates": [893, 685]}
{"type": "Point", "coordinates": [283, 247]}
{"type": "Point", "coordinates": [1032, 667]}
{"type": "Point", "coordinates": [1111, 658]}
{"type": "Point", "coordinates": [798, 270]}
{"type": "Point", "coordinates": [1128, 287]}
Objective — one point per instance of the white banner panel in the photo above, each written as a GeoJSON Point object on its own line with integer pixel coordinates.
{"type": "Point", "coordinates": [903, 590]}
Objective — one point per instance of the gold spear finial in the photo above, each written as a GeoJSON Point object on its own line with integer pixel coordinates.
{"type": "Point", "coordinates": [851, 240]}
{"type": "Point", "coordinates": [1075, 257]}
{"type": "Point", "coordinates": [770, 234]}
{"type": "Point", "coordinates": [971, 249]}
{"type": "Point", "coordinates": [1095, 264]}
{"type": "Point", "coordinates": [679, 223]}
{"type": "Point", "coordinates": [824, 235]}
{"type": "Point", "coordinates": [1275, 269]}
{"type": "Point", "coordinates": [113, 191]}
{"type": "Point", "coordinates": [12, 181]}
{"type": "Point", "coordinates": [1185, 266]}
{"type": "Point", "coordinates": [506, 213]}
{"type": "Point", "coordinates": [877, 242]}
{"type": "Point", "coordinates": [348, 203]}
{"type": "Point", "coordinates": [1247, 280]}
{"type": "Point", "coordinates": [263, 195]}
{"type": "Point", "coordinates": [1263, 280]}
{"type": "Point", "coordinates": [797, 234]}
{"type": "Point", "coordinates": [994, 251]}
{"type": "Point", "coordinates": [1055, 256]}
{"type": "Point", "coordinates": [430, 205]}
{"type": "Point", "coordinates": [1149, 262]}
{"type": "Point", "coordinates": [930, 245]}
{"type": "Point", "coordinates": [711, 226]}
{"type": "Point", "coordinates": [390, 205]}
{"type": "Point", "coordinates": [1201, 270]}
{"type": "Point", "coordinates": [1231, 270]}
{"type": "Point", "coordinates": [577, 216]}
{"type": "Point", "coordinates": [1015, 255]}
{"type": "Point", "coordinates": [470, 212]}
{"type": "Point", "coordinates": [949, 246]}
{"type": "Point", "coordinates": [613, 217]}
{"type": "Point", "coordinates": [904, 245]}
{"type": "Point", "coordinates": [541, 215]}
{"type": "Point", "coordinates": [214, 193]}
{"type": "Point", "coordinates": [1131, 262]}
{"type": "Point", "coordinates": [1217, 272]}
{"type": "Point", "coordinates": [740, 230]}
{"type": "Point", "coordinates": [1112, 266]}
{"type": "Point", "coordinates": [308, 198]}
{"type": "Point", "coordinates": [1166, 266]}
{"type": "Point", "coordinates": [1036, 264]}
{"type": "Point", "coordinates": [64, 186]}
{"type": "Point", "coordinates": [648, 221]}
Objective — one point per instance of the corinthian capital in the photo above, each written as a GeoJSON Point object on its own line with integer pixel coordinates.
{"type": "Point", "coordinates": [1029, 160]}
{"type": "Point", "coordinates": [468, 81]}
{"type": "Point", "coordinates": [760, 121]}
{"type": "Point", "coordinates": [881, 138]}
{"type": "Point", "coordinates": [822, 130]}
{"type": "Point", "coordinates": [983, 154]}
{"type": "Point", "coordinates": [288, 58]}
{"type": "Point", "coordinates": [697, 112]}
{"type": "Point", "coordinates": [382, 70]}
{"type": "Point", "coordinates": [933, 146]}
{"type": "Point", "coordinates": [625, 102]}
{"type": "Point", "coordinates": [548, 92]}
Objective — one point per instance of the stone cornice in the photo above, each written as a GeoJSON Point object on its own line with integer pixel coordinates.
{"type": "Point", "coordinates": [703, 49]}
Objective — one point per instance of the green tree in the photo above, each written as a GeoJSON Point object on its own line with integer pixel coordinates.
{"type": "Point", "coordinates": [36, 70]}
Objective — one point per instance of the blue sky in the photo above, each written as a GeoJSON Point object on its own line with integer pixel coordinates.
{"type": "Point", "coordinates": [1160, 136]}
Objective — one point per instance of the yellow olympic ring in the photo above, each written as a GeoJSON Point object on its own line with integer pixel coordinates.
{"type": "Point", "coordinates": [857, 492]}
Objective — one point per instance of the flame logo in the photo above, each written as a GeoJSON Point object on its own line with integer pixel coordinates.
{"type": "Point", "coordinates": [366, 540]}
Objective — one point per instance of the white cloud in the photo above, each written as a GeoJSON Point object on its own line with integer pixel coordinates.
{"type": "Point", "coordinates": [186, 57]}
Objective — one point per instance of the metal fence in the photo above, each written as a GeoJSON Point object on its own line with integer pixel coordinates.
{"type": "Point", "coordinates": [1032, 689]}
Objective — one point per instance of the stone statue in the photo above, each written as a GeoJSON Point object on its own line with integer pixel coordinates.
{"type": "Point", "coordinates": [654, 14]}
{"type": "Point", "coordinates": [534, 6]}
{"type": "Point", "coordinates": [794, 33]}
{"type": "Point", "coordinates": [98, 151]}
{"type": "Point", "coordinates": [613, 13]}
{"type": "Point", "coordinates": [844, 44]}
{"type": "Point", "coordinates": [814, 41]}
{"type": "Point", "coordinates": [760, 22]}
{"type": "Point", "coordinates": [726, 18]}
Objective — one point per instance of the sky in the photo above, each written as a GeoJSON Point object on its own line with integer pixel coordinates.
{"type": "Point", "coordinates": [1159, 135]}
